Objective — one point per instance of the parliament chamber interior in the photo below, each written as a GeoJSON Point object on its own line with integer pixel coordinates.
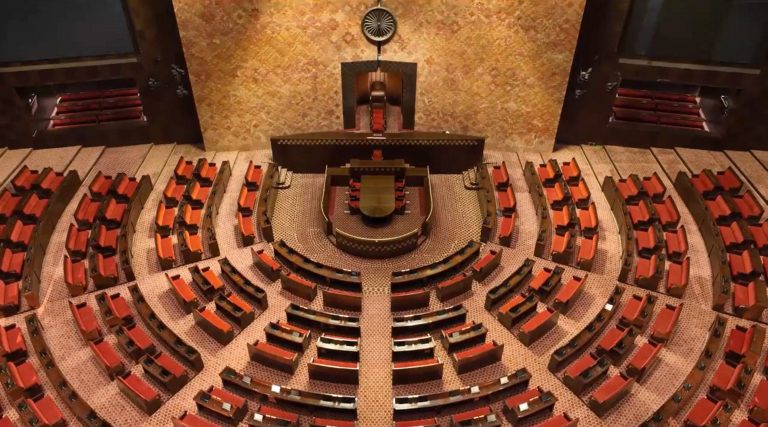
{"type": "Point", "coordinates": [569, 225]}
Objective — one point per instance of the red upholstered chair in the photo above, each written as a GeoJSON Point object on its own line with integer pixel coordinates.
{"type": "Point", "coordinates": [247, 200]}
{"type": "Point", "coordinates": [729, 180]}
{"type": "Point", "coordinates": [640, 214]}
{"type": "Point", "coordinates": [568, 294]}
{"type": "Point", "coordinates": [184, 170]}
{"type": "Point", "coordinates": [635, 312]}
{"type": "Point", "coordinates": [75, 276]}
{"type": "Point", "coordinates": [644, 360]}
{"type": "Point", "coordinates": [704, 411]}
{"type": "Point", "coordinates": [164, 218]}
{"type": "Point", "coordinates": [647, 271]}
{"type": "Point", "coordinates": [580, 193]}
{"type": "Point", "coordinates": [188, 419]}
{"type": "Point", "coordinates": [164, 249]}
{"type": "Point", "coordinates": [139, 392]}
{"type": "Point", "coordinates": [629, 189]}
{"type": "Point", "coordinates": [654, 187]}
{"type": "Point", "coordinates": [173, 193]}
{"type": "Point", "coordinates": [588, 221]}
{"type": "Point", "coordinates": [728, 381]}
{"type": "Point", "coordinates": [24, 378]}
{"type": "Point", "coordinates": [19, 234]}
{"type": "Point", "coordinates": [556, 195]}
{"type": "Point", "coordinates": [198, 194]}
{"type": "Point", "coordinates": [561, 219]}
{"type": "Point", "coordinates": [610, 392]}
{"type": "Point", "coordinates": [125, 188]}
{"type": "Point", "coordinates": [32, 208]}
{"type": "Point", "coordinates": [571, 171]}
{"type": "Point", "coordinates": [471, 416]}
{"type": "Point", "coordinates": [105, 273]}
{"type": "Point", "coordinates": [562, 420]}
{"type": "Point", "coordinates": [100, 185]}
{"type": "Point", "coordinates": [744, 266]}
{"type": "Point", "coordinates": [548, 173]}
{"type": "Point", "coordinates": [746, 301]}
{"type": "Point", "coordinates": [24, 179]}
{"type": "Point", "coordinates": [587, 252]}
{"type": "Point", "coordinates": [114, 212]}
{"type": "Point", "coordinates": [760, 236]}
{"type": "Point", "coordinates": [12, 263]}
{"type": "Point", "coordinates": [86, 211]}
{"type": "Point", "coordinates": [253, 176]}
{"type": "Point", "coordinates": [192, 218]}
{"type": "Point", "coordinates": [734, 236]}
{"type": "Point", "coordinates": [704, 184]}
{"type": "Point", "coordinates": [665, 322]}
{"type": "Point", "coordinates": [9, 295]}
{"type": "Point", "coordinates": [722, 210]}
{"type": "Point", "coordinates": [646, 241]}
{"type": "Point", "coordinates": [269, 414]}
{"type": "Point", "coordinates": [77, 242]}
{"type": "Point", "coordinates": [108, 358]}
{"type": "Point", "coordinates": [48, 183]}
{"type": "Point", "coordinates": [46, 411]}
{"type": "Point", "coordinates": [748, 207]}
{"type": "Point", "coordinates": [8, 203]}
{"type": "Point", "coordinates": [105, 241]}
{"type": "Point", "coordinates": [500, 176]}
{"type": "Point", "coordinates": [247, 230]}
{"type": "Point", "coordinates": [678, 276]}
{"type": "Point", "coordinates": [86, 321]}
{"type": "Point", "coordinates": [562, 247]}
{"type": "Point", "coordinates": [507, 201]}
{"type": "Point", "coordinates": [739, 342]}
{"type": "Point", "coordinates": [12, 344]}
{"type": "Point", "coordinates": [676, 243]}
{"type": "Point", "coordinates": [669, 216]}
{"type": "Point", "coordinates": [205, 171]}
{"type": "Point", "coordinates": [758, 407]}
{"type": "Point", "coordinates": [506, 229]}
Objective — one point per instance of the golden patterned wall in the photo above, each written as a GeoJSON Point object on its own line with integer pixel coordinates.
{"type": "Point", "coordinates": [487, 67]}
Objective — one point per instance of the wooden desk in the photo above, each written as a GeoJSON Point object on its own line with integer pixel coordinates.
{"type": "Point", "coordinates": [377, 195]}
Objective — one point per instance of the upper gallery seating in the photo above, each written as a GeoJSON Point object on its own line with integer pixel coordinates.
{"type": "Point", "coordinates": [30, 207]}
{"type": "Point", "coordinates": [100, 238]}
{"type": "Point", "coordinates": [659, 108]}
{"type": "Point", "coordinates": [93, 107]}
{"type": "Point", "coordinates": [733, 235]}
{"type": "Point", "coordinates": [188, 211]}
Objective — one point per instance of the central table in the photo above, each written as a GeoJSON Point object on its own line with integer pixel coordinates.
{"type": "Point", "coordinates": [377, 195]}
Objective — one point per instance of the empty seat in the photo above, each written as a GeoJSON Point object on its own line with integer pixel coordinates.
{"type": "Point", "coordinates": [8, 204]}
{"type": "Point", "coordinates": [119, 313]}
{"type": "Point", "coordinates": [538, 325]}
{"type": "Point", "coordinates": [77, 242]}
{"type": "Point", "coordinates": [580, 193]}
{"type": "Point", "coordinates": [173, 193]}
{"type": "Point", "coordinates": [746, 301]}
{"type": "Point", "coordinates": [647, 271]}
{"type": "Point", "coordinates": [75, 276]}
{"type": "Point", "coordinates": [19, 235]}
{"type": "Point", "coordinates": [216, 327]}
{"type": "Point", "coordinates": [704, 411]}
{"type": "Point", "coordinates": [678, 276]}
{"type": "Point", "coordinates": [114, 212]}
{"type": "Point", "coordinates": [704, 184]}
{"type": "Point", "coordinates": [643, 360]}
{"type": "Point", "coordinates": [24, 378]}
{"type": "Point", "coordinates": [636, 311]}
{"type": "Point", "coordinates": [164, 218]}
{"type": "Point", "coordinates": [164, 249]}
{"type": "Point", "coordinates": [12, 263]}
{"type": "Point", "coordinates": [616, 343]}
{"type": "Point", "coordinates": [562, 420]}
{"type": "Point", "coordinates": [568, 294]}
{"type": "Point", "coordinates": [588, 222]}
{"type": "Point", "coordinates": [268, 414]}
{"type": "Point", "coordinates": [139, 392]}
{"type": "Point", "coordinates": [654, 187]}
{"type": "Point", "coordinates": [734, 236]}
{"type": "Point", "coordinates": [548, 173]}
{"type": "Point", "coordinates": [646, 241]}
{"type": "Point", "coordinates": [198, 194]}
{"type": "Point", "coordinates": [45, 411]}
{"type": "Point", "coordinates": [629, 188]}
{"type": "Point", "coordinates": [587, 252]}
{"type": "Point", "coordinates": [665, 322]}
{"type": "Point", "coordinates": [728, 381]}
{"type": "Point", "coordinates": [192, 217]}
{"type": "Point", "coordinates": [556, 195]}
{"type": "Point", "coordinates": [247, 231]}
{"type": "Point", "coordinates": [48, 183]}
{"type": "Point", "coordinates": [108, 358]}
{"type": "Point", "coordinates": [253, 176]}
{"type": "Point", "coordinates": [758, 407]}
{"type": "Point", "coordinates": [273, 356]}
{"type": "Point", "coordinates": [86, 211]}
{"type": "Point", "coordinates": [12, 344]}
{"type": "Point", "coordinates": [183, 170]}
{"type": "Point", "coordinates": [739, 342]}
{"type": "Point", "coordinates": [100, 185]}
{"type": "Point", "coordinates": [33, 207]}
{"type": "Point", "coordinates": [743, 266]}
{"type": "Point", "coordinates": [125, 188]}
{"type": "Point", "coordinates": [205, 171]}
{"type": "Point", "coordinates": [247, 200]}
{"type": "Point", "coordinates": [562, 246]}
{"type": "Point", "coordinates": [477, 416]}
{"type": "Point", "coordinates": [9, 295]}
{"type": "Point", "coordinates": [669, 216]}
{"type": "Point", "coordinates": [188, 419]}
{"type": "Point", "coordinates": [729, 180]}
{"type": "Point", "coordinates": [500, 176]}
{"type": "Point", "coordinates": [571, 171]}
{"type": "Point", "coordinates": [676, 243]}
{"type": "Point", "coordinates": [105, 271]}
{"type": "Point", "coordinates": [86, 321]}
{"type": "Point", "coordinates": [561, 218]}
{"type": "Point", "coordinates": [193, 242]}
{"type": "Point", "coordinates": [507, 201]}
{"type": "Point", "coordinates": [721, 210]}
{"type": "Point", "coordinates": [609, 393]}
{"type": "Point", "coordinates": [135, 341]}
{"type": "Point", "coordinates": [183, 293]}
{"type": "Point", "coordinates": [640, 214]}
{"type": "Point", "coordinates": [760, 237]}
{"type": "Point", "coordinates": [506, 229]}
{"type": "Point", "coordinates": [105, 240]}
{"type": "Point", "coordinates": [748, 207]}
{"type": "Point", "coordinates": [24, 179]}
